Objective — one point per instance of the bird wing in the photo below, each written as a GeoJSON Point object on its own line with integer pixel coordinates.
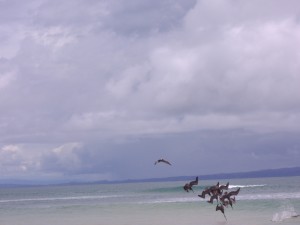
{"type": "Point", "coordinates": [162, 160]}
{"type": "Point", "coordinates": [234, 192]}
{"type": "Point", "coordinates": [224, 187]}
{"type": "Point", "coordinates": [165, 161]}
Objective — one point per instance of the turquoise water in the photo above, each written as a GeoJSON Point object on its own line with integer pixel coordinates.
{"type": "Point", "coordinates": [260, 201]}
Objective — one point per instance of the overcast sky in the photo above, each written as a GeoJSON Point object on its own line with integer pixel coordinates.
{"type": "Point", "coordinates": [100, 89]}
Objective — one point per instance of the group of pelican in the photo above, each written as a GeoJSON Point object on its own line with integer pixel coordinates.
{"type": "Point", "coordinates": [223, 198]}
{"type": "Point", "coordinates": [216, 192]}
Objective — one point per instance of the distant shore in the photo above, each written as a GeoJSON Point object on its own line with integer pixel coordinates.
{"type": "Point", "coordinates": [281, 172]}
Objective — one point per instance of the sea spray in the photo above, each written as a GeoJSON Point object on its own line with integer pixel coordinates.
{"type": "Point", "coordinates": [287, 211]}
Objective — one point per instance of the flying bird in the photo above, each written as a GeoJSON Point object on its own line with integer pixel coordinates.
{"type": "Point", "coordinates": [215, 189]}
{"type": "Point", "coordinates": [228, 195]}
{"type": "Point", "coordinates": [221, 208]}
{"type": "Point", "coordinates": [224, 187]}
{"type": "Point", "coordinates": [224, 199]}
{"type": "Point", "coordinates": [163, 161]}
{"type": "Point", "coordinates": [234, 192]}
{"type": "Point", "coordinates": [211, 200]}
{"type": "Point", "coordinates": [188, 186]}
{"type": "Point", "coordinates": [230, 202]}
{"type": "Point", "coordinates": [205, 192]}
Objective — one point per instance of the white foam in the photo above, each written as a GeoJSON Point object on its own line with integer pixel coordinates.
{"type": "Point", "coordinates": [287, 213]}
{"type": "Point", "coordinates": [60, 198]}
{"type": "Point", "coordinates": [247, 186]}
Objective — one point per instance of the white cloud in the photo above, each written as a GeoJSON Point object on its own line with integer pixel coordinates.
{"type": "Point", "coordinates": [129, 82]}
{"type": "Point", "coordinates": [54, 37]}
{"type": "Point", "coordinates": [65, 156]}
{"type": "Point", "coordinates": [110, 70]}
{"type": "Point", "coordinates": [14, 159]}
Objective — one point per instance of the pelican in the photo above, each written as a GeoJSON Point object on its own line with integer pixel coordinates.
{"type": "Point", "coordinates": [188, 186]}
{"type": "Point", "coordinates": [205, 192]}
{"type": "Point", "coordinates": [163, 161]}
{"type": "Point", "coordinates": [228, 195]}
{"type": "Point", "coordinates": [221, 208]}
{"type": "Point", "coordinates": [224, 187]}
{"type": "Point", "coordinates": [211, 200]}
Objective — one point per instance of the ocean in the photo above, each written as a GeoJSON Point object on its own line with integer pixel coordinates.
{"type": "Point", "coordinates": [261, 201]}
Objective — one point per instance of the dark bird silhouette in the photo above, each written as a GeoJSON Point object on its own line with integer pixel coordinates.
{"type": "Point", "coordinates": [223, 197]}
{"type": "Point", "coordinates": [228, 202]}
{"type": "Point", "coordinates": [204, 193]}
{"type": "Point", "coordinates": [228, 195]}
{"type": "Point", "coordinates": [224, 187]}
{"type": "Point", "coordinates": [188, 186]}
{"type": "Point", "coordinates": [234, 192]}
{"type": "Point", "coordinates": [214, 190]}
{"type": "Point", "coordinates": [211, 200]}
{"type": "Point", "coordinates": [221, 208]}
{"type": "Point", "coordinates": [163, 161]}
{"type": "Point", "coordinates": [214, 187]}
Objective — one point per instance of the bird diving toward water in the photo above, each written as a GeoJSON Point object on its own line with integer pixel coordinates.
{"type": "Point", "coordinates": [204, 193]}
{"type": "Point", "coordinates": [224, 187]}
{"type": "Point", "coordinates": [228, 195]}
{"type": "Point", "coordinates": [221, 208]}
{"type": "Point", "coordinates": [226, 198]}
{"type": "Point", "coordinates": [188, 186]}
{"type": "Point", "coordinates": [211, 200]}
{"type": "Point", "coordinates": [163, 161]}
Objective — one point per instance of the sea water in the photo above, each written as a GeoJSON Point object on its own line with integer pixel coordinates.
{"type": "Point", "coordinates": [261, 201]}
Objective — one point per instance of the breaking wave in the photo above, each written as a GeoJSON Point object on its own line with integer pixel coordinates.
{"type": "Point", "coordinates": [247, 186]}
{"type": "Point", "coordinates": [59, 198]}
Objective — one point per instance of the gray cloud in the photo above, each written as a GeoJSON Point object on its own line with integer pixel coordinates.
{"type": "Point", "coordinates": [89, 87]}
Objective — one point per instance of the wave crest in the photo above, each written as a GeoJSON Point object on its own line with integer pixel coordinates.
{"type": "Point", "coordinates": [247, 186]}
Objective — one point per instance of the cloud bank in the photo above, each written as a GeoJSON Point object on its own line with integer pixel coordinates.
{"type": "Point", "coordinates": [101, 89]}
